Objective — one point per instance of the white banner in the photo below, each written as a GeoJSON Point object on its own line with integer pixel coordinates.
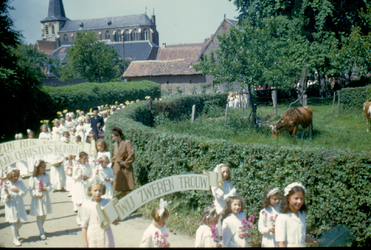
{"type": "Point", "coordinates": [137, 198]}
{"type": "Point", "coordinates": [20, 150]}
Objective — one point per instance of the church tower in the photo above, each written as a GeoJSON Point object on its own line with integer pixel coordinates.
{"type": "Point", "coordinates": [54, 21]}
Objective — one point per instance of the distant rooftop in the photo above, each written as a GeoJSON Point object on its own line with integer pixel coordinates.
{"type": "Point", "coordinates": [55, 12]}
{"type": "Point", "coordinates": [180, 51]}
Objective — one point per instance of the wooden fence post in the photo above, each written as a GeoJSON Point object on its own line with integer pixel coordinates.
{"type": "Point", "coordinates": [333, 104]}
{"type": "Point", "coordinates": [193, 112]}
{"type": "Point", "coordinates": [274, 99]}
{"type": "Point", "coordinates": [337, 110]}
{"type": "Point", "coordinates": [226, 115]}
{"type": "Point", "coordinates": [305, 100]}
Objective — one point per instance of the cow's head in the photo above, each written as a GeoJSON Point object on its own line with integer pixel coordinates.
{"type": "Point", "coordinates": [274, 130]}
{"type": "Point", "coordinates": [282, 125]}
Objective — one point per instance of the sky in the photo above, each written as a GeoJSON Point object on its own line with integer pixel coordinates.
{"type": "Point", "coordinates": [178, 21]}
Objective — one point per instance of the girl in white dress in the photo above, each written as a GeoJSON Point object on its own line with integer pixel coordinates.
{"type": "Point", "coordinates": [31, 160]}
{"type": "Point", "coordinates": [80, 130]}
{"type": "Point", "coordinates": [102, 149]}
{"type": "Point", "coordinates": [106, 175]}
{"type": "Point", "coordinates": [57, 176]}
{"type": "Point", "coordinates": [68, 169]}
{"type": "Point", "coordinates": [221, 194]}
{"type": "Point", "coordinates": [44, 134]}
{"type": "Point", "coordinates": [92, 234]}
{"type": "Point", "coordinates": [87, 125]}
{"type": "Point", "coordinates": [92, 160]}
{"type": "Point", "coordinates": [81, 174]}
{"type": "Point", "coordinates": [69, 124]}
{"type": "Point", "coordinates": [268, 216]}
{"type": "Point", "coordinates": [290, 229]}
{"type": "Point", "coordinates": [232, 217]}
{"type": "Point", "coordinates": [156, 234]}
{"type": "Point", "coordinates": [40, 187]}
{"type": "Point", "coordinates": [12, 193]}
{"type": "Point", "coordinates": [207, 234]}
{"type": "Point", "coordinates": [21, 165]}
{"type": "Point", "coordinates": [72, 135]}
{"type": "Point", "coordinates": [66, 136]}
{"type": "Point", "coordinates": [57, 130]}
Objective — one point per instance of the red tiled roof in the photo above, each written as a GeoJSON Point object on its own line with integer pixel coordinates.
{"type": "Point", "coordinates": [159, 68]}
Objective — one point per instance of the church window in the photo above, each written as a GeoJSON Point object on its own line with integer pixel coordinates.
{"type": "Point", "coordinates": [65, 38]}
{"type": "Point", "coordinates": [135, 33]}
{"type": "Point", "coordinates": [118, 36]}
{"type": "Point", "coordinates": [145, 34]}
{"type": "Point", "coordinates": [127, 35]}
{"type": "Point", "coordinates": [108, 36]}
{"type": "Point", "coordinates": [46, 29]}
{"type": "Point", "coordinates": [53, 29]}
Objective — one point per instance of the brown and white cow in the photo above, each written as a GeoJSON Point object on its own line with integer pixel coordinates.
{"type": "Point", "coordinates": [367, 110]}
{"type": "Point", "coordinates": [294, 119]}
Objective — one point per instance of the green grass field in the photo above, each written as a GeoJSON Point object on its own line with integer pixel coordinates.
{"type": "Point", "coordinates": [346, 131]}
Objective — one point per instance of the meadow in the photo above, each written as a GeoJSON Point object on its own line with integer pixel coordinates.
{"type": "Point", "coordinates": [346, 131]}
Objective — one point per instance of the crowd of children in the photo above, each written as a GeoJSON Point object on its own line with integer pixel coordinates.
{"type": "Point", "coordinates": [88, 180]}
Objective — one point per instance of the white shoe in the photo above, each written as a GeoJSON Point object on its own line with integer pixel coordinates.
{"type": "Point", "coordinates": [43, 237]}
{"type": "Point", "coordinates": [17, 243]}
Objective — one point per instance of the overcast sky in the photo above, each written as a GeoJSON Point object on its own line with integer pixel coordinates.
{"type": "Point", "coordinates": [178, 21]}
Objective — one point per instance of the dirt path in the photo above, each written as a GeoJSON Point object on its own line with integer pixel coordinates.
{"type": "Point", "coordinates": [62, 230]}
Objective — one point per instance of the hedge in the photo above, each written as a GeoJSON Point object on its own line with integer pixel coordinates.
{"type": "Point", "coordinates": [353, 98]}
{"type": "Point", "coordinates": [337, 181]}
{"type": "Point", "coordinates": [87, 95]}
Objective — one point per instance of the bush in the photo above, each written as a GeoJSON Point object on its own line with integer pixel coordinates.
{"type": "Point", "coordinates": [337, 181]}
{"type": "Point", "coordinates": [87, 95]}
{"type": "Point", "coordinates": [353, 98]}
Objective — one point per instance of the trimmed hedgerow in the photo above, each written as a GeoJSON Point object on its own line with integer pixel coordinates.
{"type": "Point", "coordinates": [87, 95]}
{"type": "Point", "coordinates": [353, 98]}
{"type": "Point", "coordinates": [337, 181]}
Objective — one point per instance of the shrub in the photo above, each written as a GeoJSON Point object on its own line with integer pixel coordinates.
{"type": "Point", "coordinates": [87, 95]}
{"type": "Point", "coordinates": [337, 181]}
{"type": "Point", "coordinates": [353, 98]}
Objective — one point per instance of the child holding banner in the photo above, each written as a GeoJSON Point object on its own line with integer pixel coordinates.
{"type": "Point", "coordinates": [156, 233]}
{"type": "Point", "coordinates": [207, 234]}
{"type": "Point", "coordinates": [81, 174]}
{"type": "Point", "coordinates": [40, 187]}
{"type": "Point", "coordinates": [92, 234]}
{"type": "Point", "coordinates": [12, 194]}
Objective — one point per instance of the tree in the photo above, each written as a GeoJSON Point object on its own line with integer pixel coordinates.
{"type": "Point", "coordinates": [92, 60]}
{"type": "Point", "coordinates": [23, 103]}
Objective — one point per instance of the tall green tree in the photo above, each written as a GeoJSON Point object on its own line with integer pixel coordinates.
{"type": "Point", "coordinates": [92, 60]}
{"type": "Point", "coordinates": [23, 103]}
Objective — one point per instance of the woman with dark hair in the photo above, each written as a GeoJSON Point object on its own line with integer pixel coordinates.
{"type": "Point", "coordinates": [122, 163]}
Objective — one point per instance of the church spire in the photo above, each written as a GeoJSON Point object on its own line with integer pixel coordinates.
{"type": "Point", "coordinates": [55, 11]}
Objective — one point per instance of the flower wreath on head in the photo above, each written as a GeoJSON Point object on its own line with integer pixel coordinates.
{"type": "Point", "coordinates": [272, 192]}
{"type": "Point", "coordinates": [163, 206]}
{"type": "Point", "coordinates": [291, 186]}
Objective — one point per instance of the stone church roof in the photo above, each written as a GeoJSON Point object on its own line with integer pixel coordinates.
{"type": "Point", "coordinates": [55, 12]}
{"type": "Point", "coordinates": [180, 51]}
{"type": "Point", "coordinates": [161, 68]}
{"type": "Point", "coordinates": [107, 23]}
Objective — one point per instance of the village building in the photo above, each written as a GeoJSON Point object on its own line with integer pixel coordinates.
{"type": "Point", "coordinates": [134, 36]}
{"type": "Point", "coordinates": [173, 68]}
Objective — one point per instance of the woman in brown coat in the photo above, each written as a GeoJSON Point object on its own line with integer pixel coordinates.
{"type": "Point", "coordinates": [122, 160]}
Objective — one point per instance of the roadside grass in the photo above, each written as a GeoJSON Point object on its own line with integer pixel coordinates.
{"type": "Point", "coordinates": [345, 131]}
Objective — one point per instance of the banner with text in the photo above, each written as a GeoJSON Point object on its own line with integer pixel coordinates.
{"type": "Point", "coordinates": [137, 198]}
{"type": "Point", "coordinates": [20, 150]}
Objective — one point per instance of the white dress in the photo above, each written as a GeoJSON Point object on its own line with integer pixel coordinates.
{"type": "Point", "coordinates": [57, 176]}
{"type": "Point", "coordinates": [87, 127]}
{"type": "Point", "coordinates": [231, 231]}
{"type": "Point", "coordinates": [149, 237]}
{"type": "Point", "coordinates": [14, 207]}
{"type": "Point", "coordinates": [57, 133]}
{"type": "Point", "coordinates": [291, 229]}
{"type": "Point", "coordinates": [103, 174]}
{"type": "Point", "coordinates": [93, 166]}
{"type": "Point", "coordinates": [40, 206]}
{"type": "Point", "coordinates": [267, 218]}
{"type": "Point", "coordinates": [97, 237]}
{"type": "Point", "coordinates": [68, 167]}
{"type": "Point", "coordinates": [221, 195]}
{"type": "Point", "coordinates": [80, 130]}
{"type": "Point", "coordinates": [203, 237]}
{"type": "Point", "coordinates": [31, 161]}
{"type": "Point", "coordinates": [79, 195]}
{"type": "Point", "coordinates": [69, 125]}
